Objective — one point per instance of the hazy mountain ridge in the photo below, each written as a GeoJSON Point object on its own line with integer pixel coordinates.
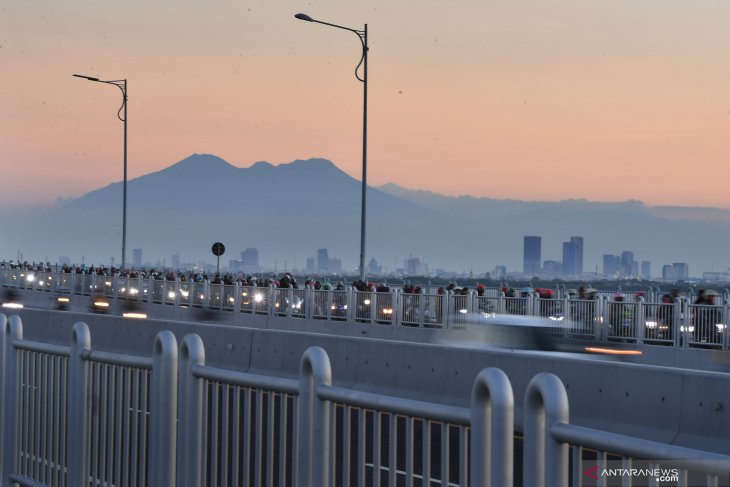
{"type": "Point", "coordinates": [290, 210]}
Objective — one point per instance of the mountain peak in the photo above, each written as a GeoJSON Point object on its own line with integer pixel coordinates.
{"type": "Point", "coordinates": [201, 162]}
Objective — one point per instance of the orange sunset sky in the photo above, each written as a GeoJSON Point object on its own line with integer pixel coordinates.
{"type": "Point", "coordinates": [604, 100]}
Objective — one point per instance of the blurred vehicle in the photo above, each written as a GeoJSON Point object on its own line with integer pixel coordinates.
{"type": "Point", "coordinates": [11, 299]}
{"type": "Point", "coordinates": [99, 304]}
{"type": "Point", "coordinates": [524, 333]}
{"type": "Point", "coordinates": [62, 299]}
{"type": "Point", "coordinates": [510, 331]}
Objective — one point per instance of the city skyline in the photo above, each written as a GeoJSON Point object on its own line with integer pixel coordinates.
{"type": "Point", "coordinates": [503, 92]}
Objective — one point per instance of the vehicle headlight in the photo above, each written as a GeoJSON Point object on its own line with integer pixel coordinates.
{"type": "Point", "coordinates": [651, 324]}
{"type": "Point", "coordinates": [720, 327]}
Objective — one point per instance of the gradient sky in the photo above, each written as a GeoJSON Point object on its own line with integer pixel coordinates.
{"type": "Point", "coordinates": [605, 100]}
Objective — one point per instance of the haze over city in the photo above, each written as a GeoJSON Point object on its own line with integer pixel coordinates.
{"type": "Point", "coordinates": [608, 101]}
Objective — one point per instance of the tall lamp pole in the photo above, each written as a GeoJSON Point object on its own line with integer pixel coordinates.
{"type": "Point", "coordinates": [363, 36]}
{"type": "Point", "coordinates": [122, 85]}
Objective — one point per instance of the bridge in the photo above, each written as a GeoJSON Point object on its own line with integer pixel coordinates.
{"type": "Point", "coordinates": [350, 388]}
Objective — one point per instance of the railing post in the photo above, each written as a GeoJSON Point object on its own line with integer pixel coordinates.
{"type": "Point", "coordinates": [271, 300]}
{"type": "Point", "coordinates": [351, 304]}
{"type": "Point", "coordinates": [396, 307]}
{"type": "Point", "coordinates": [492, 430]}
{"type": "Point", "coordinates": [190, 414]}
{"type": "Point", "coordinates": [309, 303]}
{"type": "Point", "coordinates": [12, 329]}
{"type": "Point", "coordinates": [78, 407]}
{"type": "Point", "coordinates": [686, 323]}
{"type": "Point", "coordinates": [725, 318]}
{"type": "Point", "coordinates": [115, 287]}
{"type": "Point", "coordinates": [640, 321]}
{"type": "Point", "coordinates": [163, 413]}
{"type": "Point", "coordinates": [545, 461]}
{"type": "Point", "coordinates": [206, 294]}
{"type": "Point", "coordinates": [328, 304]}
{"type": "Point", "coordinates": [422, 309]}
{"type": "Point", "coordinates": [676, 323]}
{"type": "Point", "coordinates": [444, 309]}
{"type": "Point", "coordinates": [314, 420]}
{"type": "Point", "coordinates": [150, 290]}
{"type": "Point", "coordinates": [237, 297]}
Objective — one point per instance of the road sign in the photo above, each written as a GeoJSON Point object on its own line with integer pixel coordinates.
{"type": "Point", "coordinates": [218, 249]}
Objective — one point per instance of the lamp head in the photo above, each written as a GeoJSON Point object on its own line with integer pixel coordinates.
{"type": "Point", "coordinates": [86, 77]}
{"type": "Point", "coordinates": [304, 17]}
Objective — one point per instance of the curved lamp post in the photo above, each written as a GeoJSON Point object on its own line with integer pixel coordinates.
{"type": "Point", "coordinates": [363, 36]}
{"type": "Point", "coordinates": [122, 85]}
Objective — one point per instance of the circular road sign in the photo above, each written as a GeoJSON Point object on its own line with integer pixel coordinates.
{"type": "Point", "coordinates": [218, 249]}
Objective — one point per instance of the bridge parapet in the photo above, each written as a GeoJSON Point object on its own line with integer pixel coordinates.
{"type": "Point", "coordinates": [604, 317]}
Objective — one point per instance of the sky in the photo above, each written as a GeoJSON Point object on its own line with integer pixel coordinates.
{"type": "Point", "coordinates": [607, 100]}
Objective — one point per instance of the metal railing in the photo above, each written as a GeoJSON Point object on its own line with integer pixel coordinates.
{"type": "Point", "coordinates": [605, 317]}
{"type": "Point", "coordinates": [77, 416]}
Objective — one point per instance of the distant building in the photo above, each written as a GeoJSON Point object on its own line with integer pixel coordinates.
{"type": "Point", "coordinates": [137, 258]}
{"type": "Point", "coordinates": [675, 272]}
{"type": "Point", "coordinates": [335, 266]}
{"type": "Point", "coordinates": [500, 272]}
{"type": "Point", "coordinates": [175, 262]}
{"type": "Point", "coordinates": [64, 260]}
{"type": "Point", "coordinates": [716, 276]}
{"type": "Point", "coordinates": [611, 265]}
{"type": "Point", "coordinates": [414, 266]}
{"type": "Point", "coordinates": [374, 268]}
{"type": "Point", "coordinates": [250, 261]}
{"type": "Point", "coordinates": [627, 263]}
{"type": "Point", "coordinates": [532, 255]}
{"type": "Point", "coordinates": [573, 256]}
{"type": "Point", "coordinates": [323, 261]}
{"type": "Point", "coordinates": [682, 270]}
{"type": "Point", "coordinates": [645, 270]}
{"type": "Point", "coordinates": [552, 268]}
{"type": "Point", "coordinates": [311, 265]}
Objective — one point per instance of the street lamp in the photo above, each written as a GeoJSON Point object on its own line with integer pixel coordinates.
{"type": "Point", "coordinates": [363, 36]}
{"type": "Point", "coordinates": [122, 85]}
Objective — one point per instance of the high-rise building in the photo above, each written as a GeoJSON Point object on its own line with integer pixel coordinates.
{"type": "Point", "coordinates": [250, 258]}
{"type": "Point", "coordinates": [311, 265]}
{"type": "Point", "coordinates": [532, 256]}
{"type": "Point", "coordinates": [137, 258]}
{"type": "Point", "coordinates": [611, 265]}
{"type": "Point", "coordinates": [573, 256]}
{"type": "Point", "coordinates": [627, 263]}
{"type": "Point", "coordinates": [175, 262]}
{"type": "Point", "coordinates": [682, 270]}
{"type": "Point", "coordinates": [323, 261]}
{"type": "Point", "coordinates": [249, 263]}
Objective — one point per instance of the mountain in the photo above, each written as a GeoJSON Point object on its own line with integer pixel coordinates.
{"type": "Point", "coordinates": [290, 210]}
